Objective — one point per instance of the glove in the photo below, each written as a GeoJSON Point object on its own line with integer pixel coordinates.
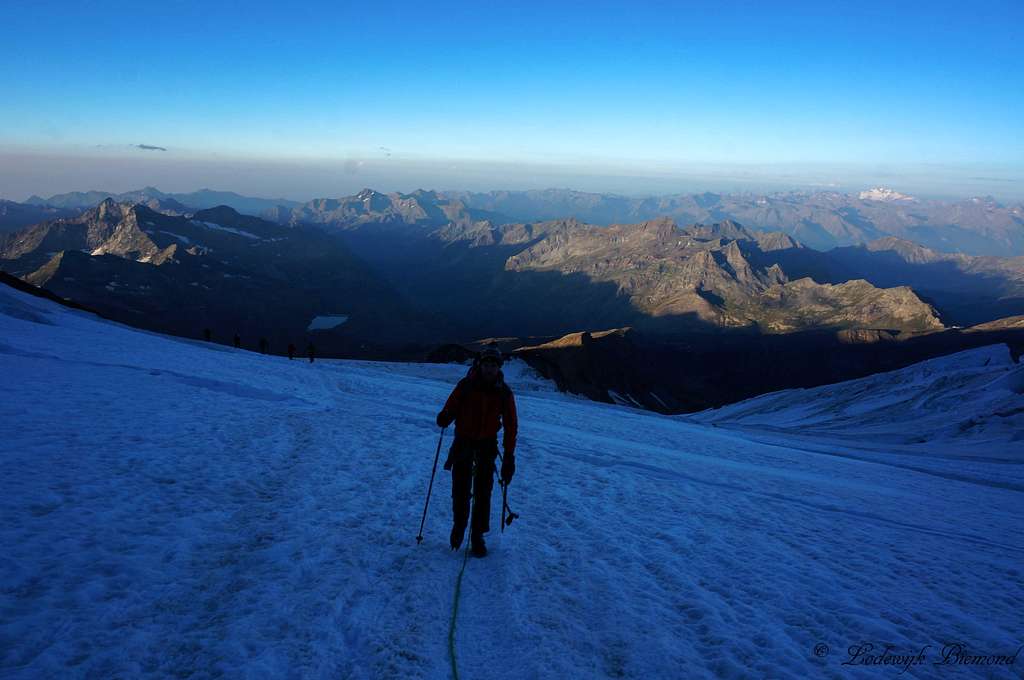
{"type": "Point", "coordinates": [508, 469]}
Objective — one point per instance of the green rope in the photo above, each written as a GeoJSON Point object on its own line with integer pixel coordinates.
{"type": "Point", "coordinates": [455, 613]}
{"type": "Point", "coordinates": [458, 582]}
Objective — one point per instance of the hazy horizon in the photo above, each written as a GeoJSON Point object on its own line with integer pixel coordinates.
{"type": "Point", "coordinates": [25, 174]}
{"type": "Point", "coordinates": [320, 100]}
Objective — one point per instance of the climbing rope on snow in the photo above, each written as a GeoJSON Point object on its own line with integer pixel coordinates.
{"type": "Point", "coordinates": [458, 583]}
{"type": "Point", "coordinates": [455, 613]}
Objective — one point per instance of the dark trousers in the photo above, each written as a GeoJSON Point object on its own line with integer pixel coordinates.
{"type": "Point", "coordinates": [479, 484]}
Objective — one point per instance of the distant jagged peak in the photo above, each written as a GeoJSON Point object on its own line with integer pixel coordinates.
{"type": "Point", "coordinates": [707, 199]}
{"type": "Point", "coordinates": [661, 226]}
{"type": "Point", "coordinates": [726, 229]}
{"type": "Point", "coordinates": [165, 205]}
{"type": "Point", "coordinates": [428, 194]}
{"type": "Point", "coordinates": [987, 201]}
{"type": "Point", "coordinates": [145, 192]}
{"type": "Point", "coordinates": [109, 210]}
{"type": "Point", "coordinates": [226, 218]}
{"type": "Point", "coordinates": [775, 240]}
{"type": "Point", "coordinates": [221, 214]}
{"type": "Point", "coordinates": [884, 194]}
{"type": "Point", "coordinates": [375, 201]}
{"type": "Point", "coordinates": [775, 275]}
{"type": "Point", "coordinates": [730, 226]}
{"type": "Point", "coordinates": [909, 251]}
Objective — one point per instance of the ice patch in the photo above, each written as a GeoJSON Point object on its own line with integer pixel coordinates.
{"type": "Point", "coordinates": [184, 239]}
{"type": "Point", "coordinates": [323, 323]}
{"type": "Point", "coordinates": [230, 230]}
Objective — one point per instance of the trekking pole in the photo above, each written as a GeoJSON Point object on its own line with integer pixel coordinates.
{"type": "Point", "coordinates": [504, 502]}
{"type": "Point", "coordinates": [419, 536]}
{"type": "Point", "coordinates": [501, 483]}
{"type": "Point", "coordinates": [504, 505]}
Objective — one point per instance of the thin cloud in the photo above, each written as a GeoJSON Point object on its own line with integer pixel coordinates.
{"type": "Point", "coordinates": [149, 147]}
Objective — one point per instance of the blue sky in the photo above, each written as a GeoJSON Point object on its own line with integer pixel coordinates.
{"type": "Point", "coordinates": [630, 88]}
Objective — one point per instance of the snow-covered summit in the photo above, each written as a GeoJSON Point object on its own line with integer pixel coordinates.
{"type": "Point", "coordinates": [173, 507]}
{"type": "Point", "coordinates": [884, 194]}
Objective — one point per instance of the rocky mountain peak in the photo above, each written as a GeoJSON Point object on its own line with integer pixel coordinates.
{"type": "Point", "coordinates": [774, 275]}
{"type": "Point", "coordinates": [726, 229]}
{"type": "Point", "coordinates": [663, 227]}
{"type": "Point", "coordinates": [775, 240]}
{"type": "Point", "coordinates": [108, 208]}
{"type": "Point", "coordinates": [426, 194]}
{"type": "Point", "coordinates": [740, 267]}
{"type": "Point", "coordinates": [100, 222]}
{"type": "Point", "coordinates": [222, 214]}
{"type": "Point", "coordinates": [908, 250]}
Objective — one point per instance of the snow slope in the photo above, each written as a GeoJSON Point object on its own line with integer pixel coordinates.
{"type": "Point", "coordinates": [177, 508]}
{"type": "Point", "coordinates": [955, 415]}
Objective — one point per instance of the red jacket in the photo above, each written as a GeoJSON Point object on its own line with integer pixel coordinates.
{"type": "Point", "coordinates": [479, 411]}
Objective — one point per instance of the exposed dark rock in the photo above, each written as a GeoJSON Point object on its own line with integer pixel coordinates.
{"type": "Point", "coordinates": [450, 354]}
{"type": "Point", "coordinates": [701, 371]}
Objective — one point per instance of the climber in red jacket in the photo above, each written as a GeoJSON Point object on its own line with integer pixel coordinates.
{"type": "Point", "coordinates": [481, 404]}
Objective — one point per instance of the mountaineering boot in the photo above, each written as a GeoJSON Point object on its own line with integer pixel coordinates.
{"type": "Point", "coordinates": [477, 546]}
{"type": "Point", "coordinates": [458, 532]}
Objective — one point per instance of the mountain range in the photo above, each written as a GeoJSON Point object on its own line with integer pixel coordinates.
{"type": "Point", "coordinates": [195, 200]}
{"type": "Point", "coordinates": [410, 272]}
{"type": "Point", "coordinates": [821, 220]}
{"type": "Point", "coordinates": [421, 239]}
{"type": "Point", "coordinates": [218, 270]}
{"type": "Point", "coordinates": [563, 275]}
